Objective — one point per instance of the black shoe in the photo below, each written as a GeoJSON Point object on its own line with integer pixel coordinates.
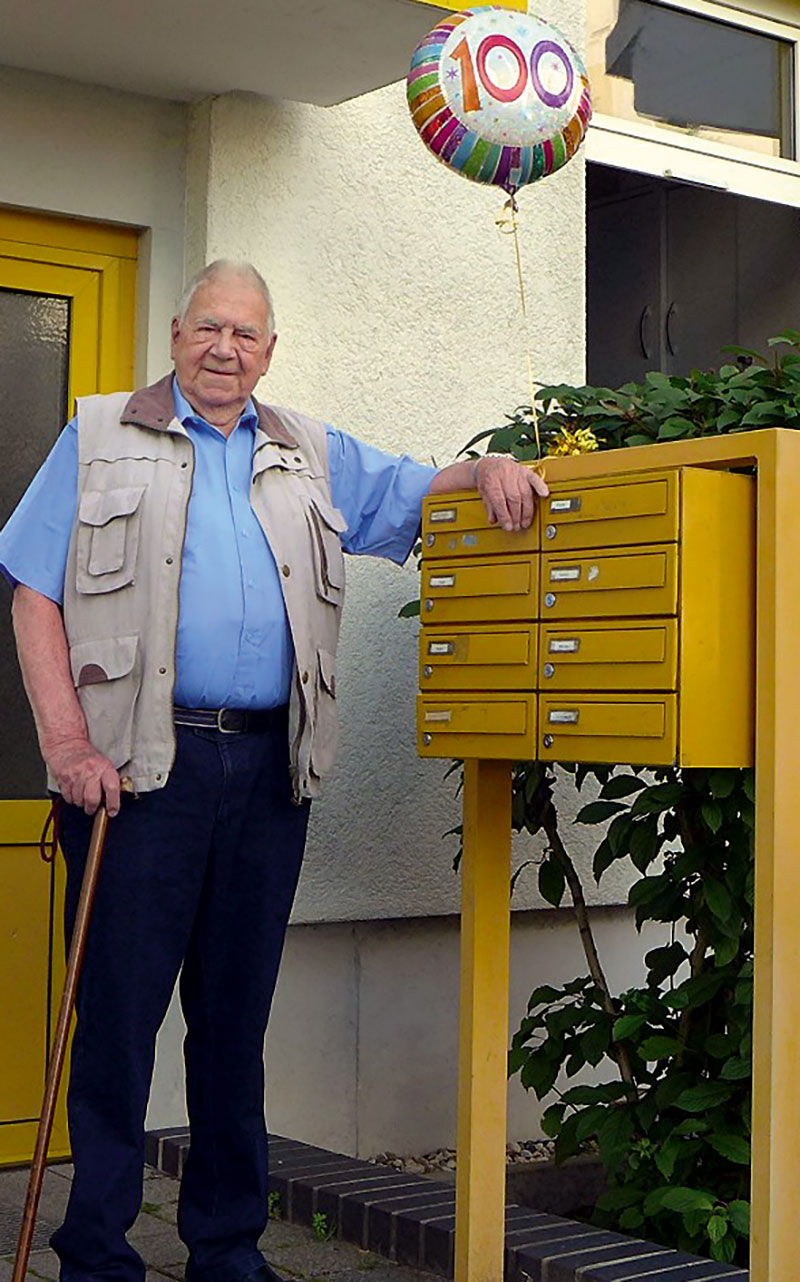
{"type": "Point", "coordinates": [264, 1273]}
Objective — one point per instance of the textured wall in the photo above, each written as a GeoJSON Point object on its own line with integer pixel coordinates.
{"type": "Point", "coordinates": [397, 309]}
{"type": "Point", "coordinates": [67, 148]}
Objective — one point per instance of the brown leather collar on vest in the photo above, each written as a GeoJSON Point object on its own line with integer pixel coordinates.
{"type": "Point", "coordinates": [154, 407]}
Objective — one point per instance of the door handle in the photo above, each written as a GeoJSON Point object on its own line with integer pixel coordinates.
{"type": "Point", "coordinates": [672, 315]}
{"type": "Point", "coordinates": [644, 331]}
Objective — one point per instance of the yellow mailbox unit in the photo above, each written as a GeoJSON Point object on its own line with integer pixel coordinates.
{"type": "Point", "coordinates": [619, 628]}
{"type": "Point", "coordinates": [651, 616]}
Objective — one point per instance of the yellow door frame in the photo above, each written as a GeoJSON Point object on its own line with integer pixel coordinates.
{"type": "Point", "coordinates": [94, 267]}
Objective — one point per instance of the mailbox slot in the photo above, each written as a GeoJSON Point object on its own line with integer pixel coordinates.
{"type": "Point", "coordinates": [477, 725]}
{"type": "Point", "coordinates": [610, 584]}
{"type": "Point", "coordinates": [637, 729]}
{"type": "Point", "coordinates": [611, 512]}
{"type": "Point", "coordinates": [619, 655]}
{"type": "Point", "coordinates": [463, 591]}
{"type": "Point", "coordinates": [482, 658]}
{"type": "Point", "coordinates": [459, 528]}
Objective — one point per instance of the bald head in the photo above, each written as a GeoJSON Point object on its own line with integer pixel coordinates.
{"type": "Point", "coordinates": [228, 267]}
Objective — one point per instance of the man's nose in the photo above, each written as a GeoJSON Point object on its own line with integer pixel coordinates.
{"type": "Point", "coordinates": [223, 347]}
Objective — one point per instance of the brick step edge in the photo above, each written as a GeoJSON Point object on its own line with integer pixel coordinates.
{"type": "Point", "coordinates": [411, 1219]}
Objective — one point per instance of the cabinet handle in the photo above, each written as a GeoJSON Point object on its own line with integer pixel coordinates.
{"type": "Point", "coordinates": [644, 336]}
{"type": "Point", "coordinates": [672, 314]}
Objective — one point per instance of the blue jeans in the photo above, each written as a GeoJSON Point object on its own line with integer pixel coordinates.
{"type": "Point", "coordinates": [202, 875]}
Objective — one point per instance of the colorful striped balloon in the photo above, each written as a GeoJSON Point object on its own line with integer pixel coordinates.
{"type": "Point", "coordinates": [500, 97]}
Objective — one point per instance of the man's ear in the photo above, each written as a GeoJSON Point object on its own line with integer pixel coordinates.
{"type": "Point", "coordinates": [268, 355]}
{"type": "Point", "coordinates": [175, 329]}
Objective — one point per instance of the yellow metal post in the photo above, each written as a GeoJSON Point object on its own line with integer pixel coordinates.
{"type": "Point", "coordinates": [485, 936]}
{"type": "Point", "coordinates": [776, 1034]}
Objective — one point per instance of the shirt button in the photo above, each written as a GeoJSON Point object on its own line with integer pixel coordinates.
{"type": "Point", "coordinates": [304, 678]}
{"type": "Point", "coordinates": [163, 671]}
{"type": "Point", "coordinates": [168, 560]}
{"type": "Point", "coordinates": [182, 465]}
{"type": "Point", "coordinates": [285, 571]}
{"type": "Point", "coordinates": [244, 534]}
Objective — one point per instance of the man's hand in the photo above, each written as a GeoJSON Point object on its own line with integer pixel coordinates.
{"type": "Point", "coordinates": [84, 776]}
{"type": "Point", "coordinates": [508, 491]}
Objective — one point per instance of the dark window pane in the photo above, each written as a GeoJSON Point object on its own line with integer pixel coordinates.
{"type": "Point", "coordinates": [713, 79]}
{"type": "Point", "coordinates": [34, 370]}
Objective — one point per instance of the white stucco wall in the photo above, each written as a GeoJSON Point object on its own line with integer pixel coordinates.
{"type": "Point", "coordinates": [398, 320]}
{"type": "Point", "coordinates": [362, 1049]}
{"type": "Point", "coordinates": [85, 152]}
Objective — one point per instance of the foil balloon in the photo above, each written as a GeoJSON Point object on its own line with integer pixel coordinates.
{"type": "Point", "coordinates": [499, 96]}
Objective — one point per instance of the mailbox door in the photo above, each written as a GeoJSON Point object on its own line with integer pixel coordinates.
{"type": "Point", "coordinates": [459, 527]}
{"type": "Point", "coordinates": [619, 655]}
{"type": "Point", "coordinates": [636, 729]}
{"type": "Point", "coordinates": [480, 658]}
{"type": "Point", "coordinates": [500, 726]}
{"type": "Point", "coordinates": [480, 590]}
{"type": "Point", "coordinates": [611, 584]}
{"type": "Point", "coordinates": [613, 512]}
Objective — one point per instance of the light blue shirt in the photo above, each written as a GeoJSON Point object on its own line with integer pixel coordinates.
{"type": "Point", "coordinates": [234, 647]}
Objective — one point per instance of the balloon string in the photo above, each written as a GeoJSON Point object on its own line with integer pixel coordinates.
{"type": "Point", "coordinates": [507, 223]}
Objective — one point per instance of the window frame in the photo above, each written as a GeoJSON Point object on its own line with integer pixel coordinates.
{"type": "Point", "coordinates": [654, 149]}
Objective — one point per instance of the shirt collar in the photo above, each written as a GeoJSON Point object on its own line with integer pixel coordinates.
{"type": "Point", "coordinates": [184, 411]}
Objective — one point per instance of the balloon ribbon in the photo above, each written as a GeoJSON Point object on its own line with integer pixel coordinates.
{"type": "Point", "coordinates": [507, 223]}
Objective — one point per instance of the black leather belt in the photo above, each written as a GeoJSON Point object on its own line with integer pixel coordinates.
{"type": "Point", "coordinates": [233, 720]}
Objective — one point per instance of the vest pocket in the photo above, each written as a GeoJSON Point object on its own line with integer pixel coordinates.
{"type": "Point", "coordinates": [326, 524]}
{"type": "Point", "coordinates": [108, 538]}
{"type": "Point", "coordinates": [107, 677]}
{"type": "Point", "coordinates": [326, 734]}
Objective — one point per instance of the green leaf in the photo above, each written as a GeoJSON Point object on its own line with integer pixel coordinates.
{"type": "Point", "coordinates": [589, 1119]}
{"type": "Point", "coordinates": [644, 843]}
{"type": "Point", "coordinates": [739, 1215]}
{"type": "Point", "coordinates": [627, 1025]}
{"type": "Point", "coordinates": [724, 1250]}
{"type": "Point", "coordinates": [631, 1219]}
{"type": "Point", "coordinates": [712, 815]}
{"type": "Point", "coordinates": [654, 1048]}
{"type": "Point", "coordinates": [551, 1119]}
{"type": "Point", "coordinates": [703, 1096]}
{"type": "Point", "coordinates": [734, 1147]}
{"type": "Point", "coordinates": [613, 1137]}
{"type": "Point", "coordinates": [597, 812]}
{"type": "Point", "coordinates": [717, 897]}
{"type": "Point", "coordinates": [622, 786]}
{"type": "Point", "coordinates": [659, 797]}
{"type": "Point", "coordinates": [790, 336]}
{"type": "Point", "coordinates": [686, 1199]}
{"type": "Point", "coordinates": [540, 1071]}
{"type": "Point", "coordinates": [581, 1095]}
{"type": "Point", "coordinates": [716, 1228]}
{"type": "Point", "coordinates": [409, 611]}
{"type": "Point", "coordinates": [545, 993]}
{"type": "Point", "coordinates": [595, 1042]}
{"type": "Point", "coordinates": [722, 783]}
{"type": "Point", "coordinates": [552, 883]}
{"type": "Point", "coordinates": [675, 427]}
{"type": "Point", "coordinates": [720, 1045]}
{"type": "Point", "coordinates": [668, 1155]}
{"type": "Point", "coordinates": [736, 1069]}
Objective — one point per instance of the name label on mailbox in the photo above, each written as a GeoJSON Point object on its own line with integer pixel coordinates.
{"type": "Point", "coordinates": [442, 581]}
{"type": "Point", "coordinates": [438, 716]}
{"type": "Point", "coordinates": [566, 575]}
{"type": "Point", "coordinates": [441, 647]}
{"type": "Point", "coordinates": [564, 505]}
{"type": "Point", "coordinates": [443, 514]}
{"type": "Point", "coordinates": [563, 718]}
{"type": "Point", "coordinates": [571, 646]}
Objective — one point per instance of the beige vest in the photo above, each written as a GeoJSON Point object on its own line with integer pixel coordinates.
{"type": "Point", "coordinates": [124, 563]}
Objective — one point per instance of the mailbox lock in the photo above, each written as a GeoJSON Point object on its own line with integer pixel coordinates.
{"type": "Point", "coordinates": [426, 739]}
{"type": "Point", "coordinates": [549, 599]}
{"type": "Point", "coordinates": [550, 531]}
{"type": "Point", "coordinates": [427, 670]}
{"type": "Point", "coordinates": [549, 670]}
{"type": "Point", "coordinates": [548, 741]}
{"type": "Point", "coordinates": [430, 539]}
{"type": "Point", "coordinates": [428, 603]}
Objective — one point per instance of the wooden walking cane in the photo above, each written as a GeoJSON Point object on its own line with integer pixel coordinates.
{"type": "Point", "coordinates": [56, 1062]}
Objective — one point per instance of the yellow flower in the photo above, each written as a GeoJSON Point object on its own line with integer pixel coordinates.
{"type": "Point", "coordinates": [581, 441]}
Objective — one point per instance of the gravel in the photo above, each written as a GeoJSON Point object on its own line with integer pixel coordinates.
{"type": "Point", "coordinates": [444, 1159]}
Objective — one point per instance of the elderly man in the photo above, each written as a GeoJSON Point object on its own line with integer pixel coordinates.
{"type": "Point", "coordinates": [179, 580]}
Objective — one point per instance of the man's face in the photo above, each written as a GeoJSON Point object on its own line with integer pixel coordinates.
{"type": "Point", "coordinates": [222, 346]}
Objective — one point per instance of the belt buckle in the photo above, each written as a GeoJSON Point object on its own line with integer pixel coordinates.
{"type": "Point", "coordinates": [238, 715]}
